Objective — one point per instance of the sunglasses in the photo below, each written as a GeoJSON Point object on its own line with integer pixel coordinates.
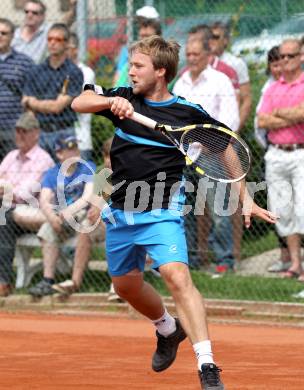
{"type": "Point", "coordinates": [289, 56]}
{"type": "Point", "coordinates": [4, 33]}
{"type": "Point", "coordinates": [28, 11]}
{"type": "Point", "coordinates": [55, 39]}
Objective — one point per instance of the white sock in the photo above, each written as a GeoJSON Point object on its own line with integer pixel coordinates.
{"type": "Point", "coordinates": [165, 325]}
{"type": "Point", "coordinates": [203, 352]}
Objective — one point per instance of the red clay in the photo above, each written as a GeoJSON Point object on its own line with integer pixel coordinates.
{"type": "Point", "coordinates": [60, 352]}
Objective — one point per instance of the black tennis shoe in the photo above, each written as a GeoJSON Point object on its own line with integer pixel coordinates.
{"type": "Point", "coordinates": [210, 377]}
{"type": "Point", "coordinates": [166, 350]}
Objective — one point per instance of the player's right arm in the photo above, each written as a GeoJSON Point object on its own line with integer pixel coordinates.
{"type": "Point", "coordinates": [91, 102]}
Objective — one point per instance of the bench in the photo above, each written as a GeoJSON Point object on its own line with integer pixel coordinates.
{"type": "Point", "coordinates": [27, 267]}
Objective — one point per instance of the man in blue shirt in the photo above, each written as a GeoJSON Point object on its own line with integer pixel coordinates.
{"type": "Point", "coordinates": [64, 199]}
{"type": "Point", "coordinates": [50, 88]}
{"type": "Point", "coordinates": [13, 69]}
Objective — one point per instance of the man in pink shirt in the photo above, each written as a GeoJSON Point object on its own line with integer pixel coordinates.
{"type": "Point", "coordinates": [282, 115]}
{"type": "Point", "coordinates": [20, 174]}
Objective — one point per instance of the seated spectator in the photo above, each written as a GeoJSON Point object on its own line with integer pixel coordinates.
{"type": "Point", "coordinates": [83, 124]}
{"type": "Point", "coordinates": [50, 88]}
{"type": "Point", "coordinates": [31, 37]}
{"type": "Point", "coordinates": [14, 67]}
{"type": "Point", "coordinates": [20, 175]}
{"type": "Point", "coordinates": [102, 190]}
{"type": "Point", "coordinates": [65, 195]}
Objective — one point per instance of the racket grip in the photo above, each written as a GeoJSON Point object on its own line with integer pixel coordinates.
{"type": "Point", "coordinates": [143, 120]}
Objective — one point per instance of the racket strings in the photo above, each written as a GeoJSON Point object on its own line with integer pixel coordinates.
{"type": "Point", "coordinates": [220, 155]}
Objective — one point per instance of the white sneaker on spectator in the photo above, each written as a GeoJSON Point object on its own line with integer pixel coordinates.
{"type": "Point", "coordinates": [67, 287]}
{"type": "Point", "coordinates": [279, 266]}
{"type": "Point", "coordinates": [299, 294]}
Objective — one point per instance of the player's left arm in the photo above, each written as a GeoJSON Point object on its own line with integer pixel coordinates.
{"type": "Point", "coordinates": [250, 208]}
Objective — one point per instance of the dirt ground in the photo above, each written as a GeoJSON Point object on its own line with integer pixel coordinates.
{"type": "Point", "coordinates": [40, 351]}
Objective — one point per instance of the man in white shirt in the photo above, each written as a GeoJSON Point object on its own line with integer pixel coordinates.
{"type": "Point", "coordinates": [83, 125]}
{"type": "Point", "coordinates": [215, 93]}
{"type": "Point", "coordinates": [219, 44]}
{"type": "Point", "coordinates": [31, 37]}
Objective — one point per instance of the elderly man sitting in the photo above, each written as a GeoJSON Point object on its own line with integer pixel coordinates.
{"type": "Point", "coordinates": [20, 174]}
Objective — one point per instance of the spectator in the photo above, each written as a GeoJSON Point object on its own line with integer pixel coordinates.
{"type": "Point", "coordinates": [20, 174]}
{"type": "Point", "coordinates": [31, 37]}
{"type": "Point", "coordinates": [302, 52]}
{"type": "Point", "coordinates": [50, 88]}
{"type": "Point", "coordinates": [203, 85]}
{"type": "Point", "coordinates": [14, 67]}
{"type": "Point", "coordinates": [148, 26]}
{"type": "Point", "coordinates": [282, 115]}
{"type": "Point", "coordinates": [85, 241]}
{"type": "Point", "coordinates": [219, 43]}
{"type": "Point", "coordinates": [66, 191]}
{"type": "Point", "coordinates": [83, 124]}
{"type": "Point", "coordinates": [202, 31]}
{"type": "Point", "coordinates": [274, 71]}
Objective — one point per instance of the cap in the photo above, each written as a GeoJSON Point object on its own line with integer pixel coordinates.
{"type": "Point", "coordinates": [27, 121]}
{"type": "Point", "coordinates": [65, 142]}
{"type": "Point", "coordinates": [148, 12]}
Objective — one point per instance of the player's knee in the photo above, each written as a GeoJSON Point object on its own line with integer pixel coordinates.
{"type": "Point", "coordinates": [127, 288]}
{"type": "Point", "coordinates": [178, 281]}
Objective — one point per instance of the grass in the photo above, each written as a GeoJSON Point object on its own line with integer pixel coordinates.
{"type": "Point", "coordinates": [252, 247]}
{"type": "Point", "coordinates": [234, 287]}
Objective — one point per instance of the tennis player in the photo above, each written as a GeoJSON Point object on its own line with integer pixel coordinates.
{"type": "Point", "coordinates": [147, 203]}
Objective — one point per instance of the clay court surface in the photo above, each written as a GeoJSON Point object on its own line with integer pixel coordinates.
{"type": "Point", "coordinates": [69, 352]}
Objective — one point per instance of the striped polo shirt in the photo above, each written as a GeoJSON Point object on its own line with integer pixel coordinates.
{"type": "Point", "coordinates": [13, 72]}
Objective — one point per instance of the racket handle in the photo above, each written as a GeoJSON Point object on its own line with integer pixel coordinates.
{"type": "Point", "coordinates": [143, 120]}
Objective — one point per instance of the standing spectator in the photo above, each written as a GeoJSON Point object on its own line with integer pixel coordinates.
{"type": "Point", "coordinates": [83, 125]}
{"type": "Point", "coordinates": [219, 43]}
{"type": "Point", "coordinates": [282, 115]}
{"type": "Point", "coordinates": [31, 37]}
{"type": "Point", "coordinates": [20, 174]}
{"type": "Point", "coordinates": [14, 67]}
{"type": "Point", "coordinates": [274, 71]}
{"type": "Point", "coordinates": [148, 25]}
{"type": "Point", "coordinates": [203, 85]}
{"type": "Point", "coordinates": [64, 199]}
{"type": "Point", "coordinates": [50, 88]}
{"type": "Point", "coordinates": [203, 31]}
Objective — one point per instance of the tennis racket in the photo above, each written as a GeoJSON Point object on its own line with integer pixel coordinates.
{"type": "Point", "coordinates": [214, 151]}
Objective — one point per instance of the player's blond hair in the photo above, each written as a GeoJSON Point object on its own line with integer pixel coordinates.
{"type": "Point", "coordinates": [164, 54]}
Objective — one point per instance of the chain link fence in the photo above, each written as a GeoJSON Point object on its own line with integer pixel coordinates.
{"type": "Point", "coordinates": [35, 81]}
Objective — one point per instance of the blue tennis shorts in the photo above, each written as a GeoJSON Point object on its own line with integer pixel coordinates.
{"type": "Point", "coordinates": [130, 236]}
